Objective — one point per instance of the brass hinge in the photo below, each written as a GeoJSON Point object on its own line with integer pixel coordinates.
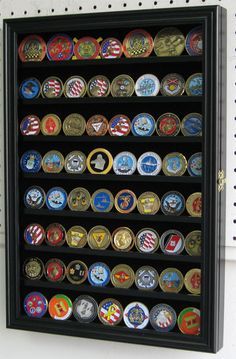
{"type": "Point", "coordinates": [221, 180]}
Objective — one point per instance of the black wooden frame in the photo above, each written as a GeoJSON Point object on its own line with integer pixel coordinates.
{"type": "Point", "coordinates": [213, 19]}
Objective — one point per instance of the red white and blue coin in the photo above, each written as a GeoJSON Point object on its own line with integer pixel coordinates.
{"type": "Point", "coordinates": [85, 309]}
{"type": "Point", "coordinates": [119, 125]}
{"type": "Point", "coordinates": [172, 242]}
{"type": "Point", "coordinates": [34, 234]}
{"type": "Point", "coordinates": [136, 315]}
{"type": "Point", "coordinates": [98, 86]}
{"type": "Point", "coordinates": [173, 203]}
{"type": "Point", "coordinates": [195, 164]}
{"type": "Point", "coordinates": [52, 87]}
{"type": "Point", "coordinates": [32, 48]}
{"type": "Point", "coordinates": [30, 125]}
{"type": "Point", "coordinates": [194, 85]}
{"type": "Point", "coordinates": [146, 278]}
{"type": "Point", "coordinates": [60, 47]}
{"type": "Point", "coordinates": [110, 312]}
{"type": "Point", "coordinates": [86, 48]}
{"type": "Point", "coordinates": [99, 274]}
{"type": "Point", "coordinates": [192, 124]}
{"type": "Point", "coordinates": [30, 88]}
{"type": "Point", "coordinates": [149, 164]}
{"type": "Point", "coordinates": [163, 317]}
{"type": "Point", "coordinates": [75, 87]}
{"type": "Point", "coordinates": [31, 161]}
{"type": "Point", "coordinates": [124, 163]}
{"type": "Point", "coordinates": [147, 85]}
{"type": "Point", "coordinates": [35, 305]}
{"type": "Point", "coordinates": [56, 199]}
{"type": "Point", "coordinates": [143, 125]}
{"type": "Point", "coordinates": [194, 42]}
{"type": "Point", "coordinates": [147, 240]}
{"type": "Point", "coordinates": [111, 48]}
{"type": "Point", "coordinates": [34, 197]}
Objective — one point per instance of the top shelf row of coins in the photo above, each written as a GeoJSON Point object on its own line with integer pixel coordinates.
{"type": "Point", "coordinates": [169, 41]}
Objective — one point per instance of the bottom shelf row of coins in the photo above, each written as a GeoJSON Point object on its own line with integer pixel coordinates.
{"type": "Point", "coordinates": [135, 315]}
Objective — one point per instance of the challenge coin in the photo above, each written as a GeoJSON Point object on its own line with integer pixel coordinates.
{"type": "Point", "coordinates": [33, 268]}
{"type": "Point", "coordinates": [55, 235]}
{"type": "Point", "coordinates": [79, 199]}
{"type": "Point", "coordinates": [77, 272]}
{"type": "Point", "coordinates": [97, 125]}
{"type": "Point", "coordinates": [119, 125]}
{"type": "Point", "coordinates": [75, 87]}
{"type": "Point", "coordinates": [171, 280]}
{"type": "Point", "coordinates": [172, 242]}
{"type": "Point", "coordinates": [124, 163]}
{"type": "Point", "coordinates": [110, 312]}
{"type": "Point", "coordinates": [173, 203]}
{"type": "Point", "coordinates": [143, 125]}
{"type": "Point", "coordinates": [149, 164]}
{"type": "Point", "coordinates": [75, 162]}
{"type": "Point", "coordinates": [169, 42]}
{"type": "Point", "coordinates": [53, 162]}
{"type": "Point", "coordinates": [56, 199]}
{"type": "Point", "coordinates": [76, 237]}
{"type": "Point", "coordinates": [52, 87]}
{"type": "Point", "coordinates": [122, 86]}
{"type": "Point", "coordinates": [55, 270]}
{"type": "Point", "coordinates": [174, 164]}
{"type": "Point", "coordinates": [136, 315]}
{"type": "Point", "coordinates": [30, 125]}
{"type": "Point", "coordinates": [102, 201]}
{"type": "Point", "coordinates": [122, 239]}
{"type": "Point", "coordinates": [60, 47]}
{"type": "Point", "coordinates": [99, 237]}
{"type": "Point", "coordinates": [194, 41]}
{"type": "Point", "coordinates": [99, 161]}
{"type": "Point", "coordinates": [32, 49]}
{"type": "Point", "coordinates": [30, 88]}
{"type": "Point", "coordinates": [168, 124]}
{"type": "Point", "coordinates": [192, 281]}
{"type": "Point", "coordinates": [147, 240]}
{"type": "Point", "coordinates": [194, 204]}
{"type": "Point", "coordinates": [172, 85]}
{"type": "Point", "coordinates": [148, 203]}
{"type": "Point", "coordinates": [74, 125]}
{"type": "Point", "coordinates": [125, 201]}
{"type": "Point", "coordinates": [31, 162]}
{"type": "Point", "coordinates": [189, 321]}
{"type": "Point", "coordinates": [111, 48]}
{"type": "Point", "coordinates": [85, 309]}
{"type": "Point", "coordinates": [195, 164]}
{"type": "Point", "coordinates": [146, 278]}
{"type": "Point", "coordinates": [34, 234]}
{"type": "Point", "coordinates": [35, 305]}
{"type": "Point", "coordinates": [163, 318]}
{"type": "Point", "coordinates": [122, 276]}
{"type": "Point", "coordinates": [193, 243]}
{"type": "Point", "coordinates": [60, 307]}
{"type": "Point", "coordinates": [147, 85]}
{"type": "Point", "coordinates": [50, 125]}
{"type": "Point", "coordinates": [34, 197]}
{"type": "Point", "coordinates": [194, 85]}
{"type": "Point", "coordinates": [99, 274]}
{"type": "Point", "coordinates": [191, 125]}
{"type": "Point", "coordinates": [98, 86]}
{"type": "Point", "coordinates": [137, 43]}
{"type": "Point", "coordinates": [86, 48]}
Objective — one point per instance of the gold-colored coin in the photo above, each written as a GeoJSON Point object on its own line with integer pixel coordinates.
{"type": "Point", "coordinates": [33, 268]}
{"type": "Point", "coordinates": [192, 281]}
{"type": "Point", "coordinates": [99, 237]}
{"type": "Point", "coordinates": [52, 87]}
{"type": "Point", "coordinates": [194, 204]}
{"type": "Point", "coordinates": [79, 199]}
{"type": "Point", "coordinates": [122, 86]}
{"type": "Point", "coordinates": [171, 280]}
{"type": "Point", "coordinates": [122, 239]}
{"type": "Point", "coordinates": [99, 161]}
{"type": "Point", "coordinates": [76, 237]}
{"type": "Point", "coordinates": [50, 125]}
{"type": "Point", "coordinates": [148, 203]}
{"type": "Point", "coordinates": [74, 125]}
{"type": "Point", "coordinates": [53, 162]}
{"type": "Point", "coordinates": [122, 276]}
{"type": "Point", "coordinates": [169, 42]}
{"type": "Point", "coordinates": [125, 201]}
{"type": "Point", "coordinates": [174, 164]}
{"type": "Point", "coordinates": [193, 243]}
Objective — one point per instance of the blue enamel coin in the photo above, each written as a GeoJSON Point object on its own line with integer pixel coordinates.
{"type": "Point", "coordinates": [30, 88]}
{"type": "Point", "coordinates": [192, 124]}
{"type": "Point", "coordinates": [31, 162]}
{"type": "Point", "coordinates": [124, 163]}
{"type": "Point", "coordinates": [99, 274]}
{"type": "Point", "coordinates": [34, 197]}
{"type": "Point", "coordinates": [143, 125]}
{"type": "Point", "coordinates": [194, 85]}
{"type": "Point", "coordinates": [102, 201]}
{"type": "Point", "coordinates": [195, 164]}
{"type": "Point", "coordinates": [56, 199]}
{"type": "Point", "coordinates": [35, 305]}
{"type": "Point", "coordinates": [173, 203]}
{"type": "Point", "coordinates": [163, 318]}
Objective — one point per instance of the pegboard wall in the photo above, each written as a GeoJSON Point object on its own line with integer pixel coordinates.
{"type": "Point", "coordinates": [31, 8]}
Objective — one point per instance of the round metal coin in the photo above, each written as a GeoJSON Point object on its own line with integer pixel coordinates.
{"type": "Point", "coordinates": [60, 307]}
{"type": "Point", "coordinates": [30, 88]}
{"type": "Point", "coordinates": [193, 243]}
{"type": "Point", "coordinates": [31, 162]}
{"type": "Point", "coordinates": [189, 321]}
{"type": "Point", "coordinates": [147, 240]}
{"type": "Point", "coordinates": [122, 86]}
{"type": "Point", "coordinates": [174, 164]}
{"type": "Point", "coordinates": [55, 270]}
{"type": "Point", "coordinates": [77, 272]}
{"type": "Point", "coordinates": [34, 197]}
{"type": "Point", "coordinates": [53, 162]}
{"type": "Point", "coordinates": [148, 203]}
{"type": "Point", "coordinates": [125, 201]}
{"type": "Point", "coordinates": [52, 87]}
{"type": "Point", "coordinates": [195, 164]}
{"type": "Point", "coordinates": [191, 125]}
{"type": "Point", "coordinates": [147, 85]}
{"type": "Point", "coordinates": [76, 237]}
{"type": "Point", "coordinates": [168, 124]}
{"type": "Point", "coordinates": [171, 280]}
{"type": "Point", "coordinates": [98, 86]}
{"type": "Point", "coordinates": [34, 234]}
{"type": "Point", "coordinates": [110, 312]}
{"type": "Point", "coordinates": [194, 204]}
{"type": "Point", "coordinates": [97, 125]}
{"type": "Point", "coordinates": [169, 42]}
{"type": "Point", "coordinates": [32, 49]}
{"type": "Point", "coordinates": [194, 41]}
{"type": "Point", "coordinates": [172, 242]}
{"type": "Point", "coordinates": [75, 87]}
{"type": "Point", "coordinates": [35, 305]}
{"type": "Point", "coordinates": [99, 161]}
{"type": "Point", "coordinates": [122, 239]}
{"type": "Point", "coordinates": [56, 199]}
{"type": "Point", "coordinates": [172, 85]}
{"type": "Point", "coordinates": [124, 163]}
{"type": "Point", "coordinates": [111, 48]}
{"type": "Point", "coordinates": [55, 235]}
{"type": "Point", "coordinates": [146, 278]}
{"type": "Point", "coordinates": [79, 199]}
{"type": "Point", "coordinates": [119, 125]}
{"type": "Point", "coordinates": [99, 237]}
{"type": "Point", "coordinates": [136, 315]}
{"type": "Point", "coordinates": [50, 125]}
{"type": "Point", "coordinates": [99, 274]}
{"type": "Point", "coordinates": [33, 268]}
{"type": "Point", "coordinates": [85, 309]}
{"type": "Point", "coordinates": [86, 48]}
{"type": "Point", "coordinates": [173, 203]}
{"type": "Point", "coordinates": [163, 318]}
{"type": "Point", "coordinates": [60, 47]}
{"type": "Point", "coordinates": [122, 276]}
{"type": "Point", "coordinates": [75, 162]}
{"type": "Point", "coordinates": [30, 125]}
{"type": "Point", "coordinates": [143, 125]}
{"type": "Point", "coordinates": [102, 201]}
{"type": "Point", "coordinates": [74, 125]}
{"type": "Point", "coordinates": [192, 281]}
{"type": "Point", "coordinates": [194, 85]}
{"type": "Point", "coordinates": [149, 164]}
{"type": "Point", "coordinates": [137, 43]}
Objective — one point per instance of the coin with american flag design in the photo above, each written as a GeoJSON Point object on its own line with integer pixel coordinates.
{"type": "Point", "coordinates": [52, 87]}
{"type": "Point", "coordinates": [98, 86]}
{"type": "Point", "coordinates": [75, 86]}
{"type": "Point", "coordinates": [34, 234]}
{"type": "Point", "coordinates": [111, 48]}
{"type": "Point", "coordinates": [163, 317]}
{"type": "Point", "coordinates": [110, 312]}
{"type": "Point", "coordinates": [119, 125]}
{"type": "Point", "coordinates": [147, 240]}
{"type": "Point", "coordinates": [30, 125]}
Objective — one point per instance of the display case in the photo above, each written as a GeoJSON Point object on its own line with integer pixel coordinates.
{"type": "Point", "coordinates": [123, 240]}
